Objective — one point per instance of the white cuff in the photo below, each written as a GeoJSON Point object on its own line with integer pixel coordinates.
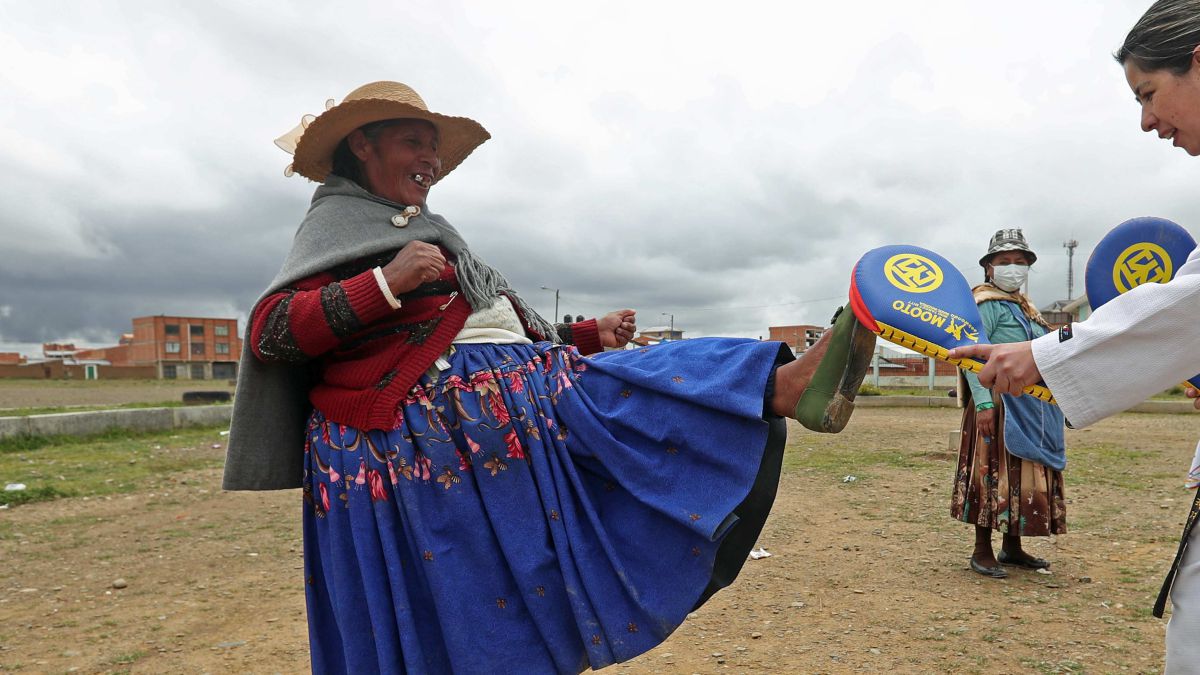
{"type": "Point", "coordinates": [383, 288]}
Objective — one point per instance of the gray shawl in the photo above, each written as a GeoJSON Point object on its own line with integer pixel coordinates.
{"type": "Point", "coordinates": [343, 224]}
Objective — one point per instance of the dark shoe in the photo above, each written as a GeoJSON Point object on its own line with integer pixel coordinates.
{"type": "Point", "coordinates": [1029, 563]}
{"type": "Point", "coordinates": [828, 402]}
{"type": "Point", "coordinates": [996, 572]}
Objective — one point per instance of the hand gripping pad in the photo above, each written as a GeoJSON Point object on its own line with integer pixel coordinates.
{"type": "Point", "coordinates": [915, 298]}
{"type": "Point", "coordinates": [1138, 251]}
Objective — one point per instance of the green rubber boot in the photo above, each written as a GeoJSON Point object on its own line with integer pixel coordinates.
{"type": "Point", "coordinates": [827, 403]}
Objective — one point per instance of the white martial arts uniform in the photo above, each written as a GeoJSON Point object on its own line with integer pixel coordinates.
{"type": "Point", "coordinates": [1133, 347]}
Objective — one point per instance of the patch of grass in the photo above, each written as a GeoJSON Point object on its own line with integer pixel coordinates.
{"type": "Point", "coordinates": [114, 462]}
{"type": "Point", "coordinates": [41, 493]}
{"type": "Point", "coordinates": [832, 457]}
{"type": "Point", "coordinates": [124, 659]}
{"type": "Point", "coordinates": [1107, 464]}
{"type": "Point", "coordinates": [30, 442]}
{"type": "Point", "coordinates": [1063, 666]}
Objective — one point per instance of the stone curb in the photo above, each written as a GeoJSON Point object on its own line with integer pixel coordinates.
{"type": "Point", "coordinates": [98, 421]}
{"type": "Point", "coordinates": [1162, 407]}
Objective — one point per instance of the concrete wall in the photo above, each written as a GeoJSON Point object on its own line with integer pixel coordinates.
{"type": "Point", "coordinates": [905, 402]}
{"type": "Point", "coordinates": [94, 422]}
{"type": "Point", "coordinates": [57, 370]}
{"type": "Point", "coordinates": [940, 382]}
{"type": "Point", "coordinates": [947, 402]}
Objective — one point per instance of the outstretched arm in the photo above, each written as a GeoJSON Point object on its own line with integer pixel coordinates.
{"type": "Point", "coordinates": [1009, 369]}
{"type": "Point", "coordinates": [1138, 344]}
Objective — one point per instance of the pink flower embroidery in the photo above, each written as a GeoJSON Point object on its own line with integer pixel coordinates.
{"type": "Point", "coordinates": [423, 465]}
{"type": "Point", "coordinates": [324, 496]}
{"type": "Point", "coordinates": [515, 451]}
{"type": "Point", "coordinates": [472, 444]}
{"type": "Point", "coordinates": [515, 382]}
{"type": "Point", "coordinates": [564, 382]}
{"type": "Point", "coordinates": [376, 481]}
{"type": "Point", "coordinates": [498, 409]}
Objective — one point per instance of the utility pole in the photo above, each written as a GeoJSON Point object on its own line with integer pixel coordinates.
{"type": "Point", "coordinates": [671, 332]}
{"type": "Point", "coordinates": [547, 288]}
{"type": "Point", "coordinates": [1070, 245]}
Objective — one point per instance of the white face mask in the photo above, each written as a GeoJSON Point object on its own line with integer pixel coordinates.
{"type": "Point", "coordinates": [1010, 277]}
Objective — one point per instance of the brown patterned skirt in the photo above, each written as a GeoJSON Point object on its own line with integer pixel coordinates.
{"type": "Point", "coordinates": [1001, 491]}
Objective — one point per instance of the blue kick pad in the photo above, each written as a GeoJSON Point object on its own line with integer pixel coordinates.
{"type": "Point", "coordinates": [915, 298]}
{"type": "Point", "coordinates": [1138, 251]}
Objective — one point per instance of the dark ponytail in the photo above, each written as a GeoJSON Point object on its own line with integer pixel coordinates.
{"type": "Point", "coordinates": [1164, 38]}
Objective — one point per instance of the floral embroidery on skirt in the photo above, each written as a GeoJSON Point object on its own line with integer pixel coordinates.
{"type": "Point", "coordinates": [531, 510]}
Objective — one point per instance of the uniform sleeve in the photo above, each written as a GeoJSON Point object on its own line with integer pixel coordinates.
{"type": "Point", "coordinates": [314, 316]}
{"type": "Point", "coordinates": [1133, 347]}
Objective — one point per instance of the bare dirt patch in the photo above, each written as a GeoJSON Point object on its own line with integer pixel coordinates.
{"type": "Point", "coordinates": [866, 575]}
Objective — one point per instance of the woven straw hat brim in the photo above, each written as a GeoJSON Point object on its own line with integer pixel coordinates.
{"type": "Point", "coordinates": [457, 136]}
{"type": "Point", "coordinates": [983, 262]}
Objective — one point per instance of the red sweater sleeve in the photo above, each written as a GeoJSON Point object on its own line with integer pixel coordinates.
{"type": "Point", "coordinates": [586, 335]}
{"type": "Point", "coordinates": [314, 315]}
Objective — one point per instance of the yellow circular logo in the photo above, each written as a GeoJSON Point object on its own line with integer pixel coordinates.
{"type": "Point", "coordinates": [1142, 263]}
{"type": "Point", "coordinates": [913, 273]}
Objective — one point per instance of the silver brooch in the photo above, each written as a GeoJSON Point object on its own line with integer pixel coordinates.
{"type": "Point", "coordinates": [401, 219]}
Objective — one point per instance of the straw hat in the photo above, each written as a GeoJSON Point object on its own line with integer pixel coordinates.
{"type": "Point", "coordinates": [1007, 240]}
{"type": "Point", "coordinates": [313, 141]}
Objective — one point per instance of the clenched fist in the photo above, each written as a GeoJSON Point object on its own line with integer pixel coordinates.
{"type": "Point", "coordinates": [417, 263]}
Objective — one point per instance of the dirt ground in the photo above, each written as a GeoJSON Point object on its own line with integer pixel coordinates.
{"type": "Point", "coordinates": [867, 572]}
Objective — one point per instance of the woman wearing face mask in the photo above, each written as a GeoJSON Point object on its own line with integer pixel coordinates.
{"type": "Point", "coordinates": [1012, 455]}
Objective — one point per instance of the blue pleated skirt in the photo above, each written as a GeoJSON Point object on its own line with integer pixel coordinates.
{"type": "Point", "coordinates": [532, 510]}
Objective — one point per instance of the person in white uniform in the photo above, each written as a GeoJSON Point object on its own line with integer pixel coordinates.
{"type": "Point", "coordinates": [1139, 343]}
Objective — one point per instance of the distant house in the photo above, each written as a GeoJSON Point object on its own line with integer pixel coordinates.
{"type": "Point", "coordinates": [1062, 312]}
{"type": "Point", "coordinates": [64, 361]}
{"type": "Point", "coordinates": [117, 355]}
{"type": "Point", "coordinates": [798, 337]}
{"type": "Point", "coordinates": [58, 350]}
{"type": "Point", "coordinates": [163, 347]}
{"type": "Point", "coordinates": [661, 333]}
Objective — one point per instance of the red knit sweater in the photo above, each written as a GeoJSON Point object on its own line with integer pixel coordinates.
{"type": "Point", "coordinates": [366, 354]}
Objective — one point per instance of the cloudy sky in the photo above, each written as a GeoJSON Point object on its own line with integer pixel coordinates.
{"type": "Point", "coordinates": [725, 163]}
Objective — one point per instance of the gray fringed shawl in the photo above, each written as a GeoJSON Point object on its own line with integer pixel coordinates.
{"type": "Point", "coordinates": [343, 224]}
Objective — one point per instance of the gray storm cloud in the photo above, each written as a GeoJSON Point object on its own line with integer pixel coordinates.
{"type": "Point", "coordinates": [730, 176]}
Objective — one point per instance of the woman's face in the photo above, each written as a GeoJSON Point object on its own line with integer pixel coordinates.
{"type": "Point", "coordinates": [1006, 258]}
{"type": "Point", "coordinates": [401, 163]}
{"type": "Point", "coordinates": [1170, 103]}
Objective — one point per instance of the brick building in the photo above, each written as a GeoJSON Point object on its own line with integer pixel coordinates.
{"type": "Point", "coordinates": [186, 347]}
{"type": "Point", "coordinates": [116, 356]}
{"type": "Point", "coordinates": [799, 338]}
